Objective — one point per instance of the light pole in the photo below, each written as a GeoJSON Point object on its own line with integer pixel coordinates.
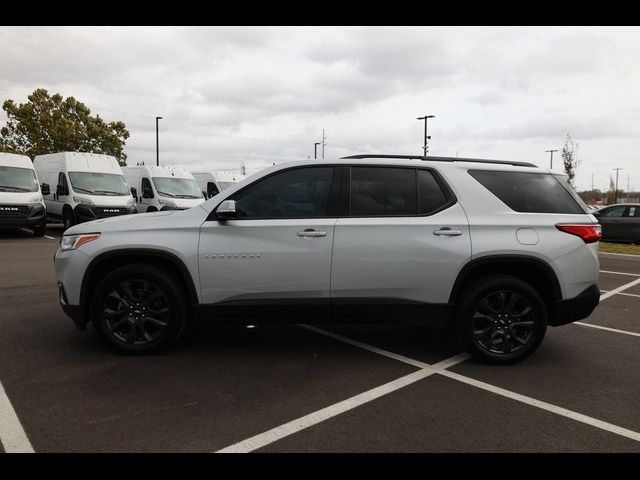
{"type": "Point", "coordinates": [315, 149]}
{"type": "Point", "coordinates": [616, 194]}
{"type": "Point", "coordinates": [157, 143]}
{"type": "Point", "coordinates": [426, 137]}
{"type": "Point", "coordinates": [551, 151]}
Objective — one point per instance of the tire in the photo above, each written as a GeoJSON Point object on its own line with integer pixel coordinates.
{"type": "Point", "coordinates": [152, 209]}
{"type": "Point", "coordinates": [67, 220]}
{"type": "Point", "coordinates": [123, 302]}
{"type": "Point", "coordinates": [486, 320]}
{"type": "Point", "coordinates": [39, 230]}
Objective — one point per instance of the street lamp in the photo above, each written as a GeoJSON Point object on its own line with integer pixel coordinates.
{"type": "Point", "coordinates": [616, 194]}
{"type": "Point", "coordinates": [157, 143]}
{"type": "Point", "coordinates": [426, 137]}
{"type": "Point", "coordinates": [551, 151]}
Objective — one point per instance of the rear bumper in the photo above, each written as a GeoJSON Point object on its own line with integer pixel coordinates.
{"type": "Point", "coordinates": [577, 308]}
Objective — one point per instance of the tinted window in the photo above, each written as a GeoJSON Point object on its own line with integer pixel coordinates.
{"type": "Point", "coordinates": [613, 211]}
{"type": "Point", "coordinates": [528, 192]}
{"type": "Point", "coordinates": [431, 195]}
{"type": "Point", "coordinates": [299, 193]}
{"type": "Point", "coordinates": [382, 191]}
{"type": "Point", "coordinates": [636, 211]}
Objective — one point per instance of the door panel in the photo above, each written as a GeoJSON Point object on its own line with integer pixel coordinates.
{"type": "Point", "coordinates": [399, 259]}
{"type": "Point", "coordinates": [248, 260]}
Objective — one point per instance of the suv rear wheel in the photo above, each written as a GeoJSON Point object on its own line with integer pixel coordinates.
{"type": "Point", "coordinates": [502, 319]}
{"type": "Point", "coordinates": [139, 309]}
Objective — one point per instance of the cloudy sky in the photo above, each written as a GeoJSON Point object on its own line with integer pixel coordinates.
{"type": "Point", "coordinates": [263, 95]}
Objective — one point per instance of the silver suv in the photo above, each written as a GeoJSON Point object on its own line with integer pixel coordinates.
{"type": "Point", "coordinates": [496, 251]}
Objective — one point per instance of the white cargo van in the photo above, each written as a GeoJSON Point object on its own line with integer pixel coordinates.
{"type": "Point", "coordinates": [21, 203]}
{"type": "Point", "coordinates": [85, 186]}
{"type": "Point", "coordinates": [163, 188]}
{"type": "Point", "coordinates": [212, 182]}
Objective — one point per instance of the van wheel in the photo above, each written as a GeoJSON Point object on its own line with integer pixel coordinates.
{"type": "Point", "coordinates": [67, 220]}
{"type": "Point", "coordinates": [501, 320]}
{"type": "Point", "coordinates": [139, 309]}
{"type": "Point", "coordinates": [38, 231]}
{"type": "Point", "coordinates": [152, 209]}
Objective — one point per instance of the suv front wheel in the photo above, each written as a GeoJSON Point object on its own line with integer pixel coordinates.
{"type": "Point", "coordinates": [502, 319]}
{"type": "Point", "coordinates": [139, 309]}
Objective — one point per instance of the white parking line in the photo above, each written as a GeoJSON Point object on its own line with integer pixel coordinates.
{"type": "Point", "coordinates": [599, 327]}
{"type": "Point", "coordinates": [50, 238]}
{"type": "Point", "coordinates": [282, 431]}
{"type": "Point", "coordinates": [578, 417]}
{"type": "Point", "coordinates": [613, 292]}
{"type": "Point", "coordinates": [437, 369]}
{"type": "Point", "coordinates": [620, 273]}
{"type": "Point", "coordinates": [12, 435]}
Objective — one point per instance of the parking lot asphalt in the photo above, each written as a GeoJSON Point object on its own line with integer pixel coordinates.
{"type": "Point", "coordinates": [324, 388]}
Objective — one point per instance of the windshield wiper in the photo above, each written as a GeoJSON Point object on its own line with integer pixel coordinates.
{"type": "Point", "coordinates": [167, 194]}
{"type": "Point", "coordinates": [110, 191]}
{"type": "Point", "coordinates": [188, 196]}
{"type": "Point", "coordinates": [83, 190]}
{"type": "Point", "coordinates": [19, 189]}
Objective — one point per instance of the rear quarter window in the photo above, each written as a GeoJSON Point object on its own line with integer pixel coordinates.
{"type": "Point", "coordinates": [529, 192]}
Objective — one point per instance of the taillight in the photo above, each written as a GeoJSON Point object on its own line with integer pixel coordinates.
{"type": "Point", "coordinates": [588, 233]}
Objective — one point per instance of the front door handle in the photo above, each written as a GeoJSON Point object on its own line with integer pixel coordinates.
{"type": "Point", "coordinates": [309, 232]}
{"type": "Point", "coordinates": [447, 232]}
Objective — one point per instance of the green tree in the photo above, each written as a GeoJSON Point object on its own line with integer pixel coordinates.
{"type": "Point", "coordinates": [570, 158]}
{"type": "Point", "coordinates": [51, 123]}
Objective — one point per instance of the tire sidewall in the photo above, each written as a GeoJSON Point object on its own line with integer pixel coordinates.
{"type": "Point", "coordinates": [475, 293]}
{"type": "Point", "coordinates": [175, 297]}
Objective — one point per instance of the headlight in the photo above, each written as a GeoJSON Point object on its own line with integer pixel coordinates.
{"type": "Point", "coordinates": [35, 199]}
{"type": "Point", "coordinates": [167, 203]}
{"type": "Point", "coordinates": [71, 242]}
{"type": "Point", "coordinates": [83, 200]}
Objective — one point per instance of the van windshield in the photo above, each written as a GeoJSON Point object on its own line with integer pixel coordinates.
{"type": "Point", "coordinates": [15, 179]}
{"type": "Point", "coordinates": [98, 183]}
{"type": "Point", "coordinates": [177, 187]}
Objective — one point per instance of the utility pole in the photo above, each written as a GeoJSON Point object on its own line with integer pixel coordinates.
{"type": "Point", "coordinates": [315, 149]}
{"type": "Point", "coordinates": [425, 148]}
{"type": "Point", "coordinates": [616, 194]}
{"type": "Point", "coordinates": [157, 143]}
{"type": "Point", "coordinates": [592, 188]}
{"type": "Point", "coordinates": [323, 143]}
{"type": "Point", "coordinates": [551, 151]}
{"type": "Point", "coordinates": [628, 189]}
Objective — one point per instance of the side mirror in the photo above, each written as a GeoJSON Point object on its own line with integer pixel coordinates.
{"type": "Point", "coordinates": [595, 214]}
{"type": "Point", "coordinates": [44, 189]}
{"type": "Point", "coordinates": [227, 210]}
{"type": "Point", "coordinates": [134, 192]}
{"type": "Point", "coordinates": [146, 193]}
{"type": "Point", "coordinates": [61, 190]}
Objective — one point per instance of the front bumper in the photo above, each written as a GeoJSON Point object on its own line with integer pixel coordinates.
{"type": "Point", "coordinates": [74, 312]}
{"type": "Point", "coordinates": [85, 213]}
{"type": "Point", "coordinates": [577, 308]}
{"type": "Point", "coordinates": [24, 216]}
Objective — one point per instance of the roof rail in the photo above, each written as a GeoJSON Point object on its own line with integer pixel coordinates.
{"type": "Point", "coordinates": [442, 159]}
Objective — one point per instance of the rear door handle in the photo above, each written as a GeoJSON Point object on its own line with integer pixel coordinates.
{"type": "Point", "coordinates": [447, 232]}
{"type": "Point", "coordinates": [309, 232]}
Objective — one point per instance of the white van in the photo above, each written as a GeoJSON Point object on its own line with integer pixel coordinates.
{"type": "Point", "coordinates": [163, 188]}
{"type": "Point", "coordinates": [213, 182]}
{"type": "Point", "coordinates": [21, 203]}
{"type": "Point", "coordinates": [85, 186]}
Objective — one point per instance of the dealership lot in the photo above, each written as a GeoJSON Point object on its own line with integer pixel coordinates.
{"type": "Point", "coordinates": [305, 388]}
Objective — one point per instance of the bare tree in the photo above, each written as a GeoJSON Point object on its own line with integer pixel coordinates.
{"type": "Point", "coordinates": [570, 158]}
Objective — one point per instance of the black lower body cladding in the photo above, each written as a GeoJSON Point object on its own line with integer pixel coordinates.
{"type": "Point", "coordinates": [577, 308]}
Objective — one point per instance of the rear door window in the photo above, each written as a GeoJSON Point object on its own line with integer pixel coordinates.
{"type": "Point", "coordinates": [529, 192]}
{"type": "Point", "coordinates": [614, 211]}
{"type": "Point", "coordinates": [383, 191]}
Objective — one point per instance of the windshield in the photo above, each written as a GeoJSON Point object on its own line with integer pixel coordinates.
{"type": "Point", "coordinates": [98, 183]}
{"type": "Point", "coordinates": [15, 179]}
{"type": "Point", "coordinates": [177, 187]}
{"type": "Point", "coordinates": [225, 185]}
